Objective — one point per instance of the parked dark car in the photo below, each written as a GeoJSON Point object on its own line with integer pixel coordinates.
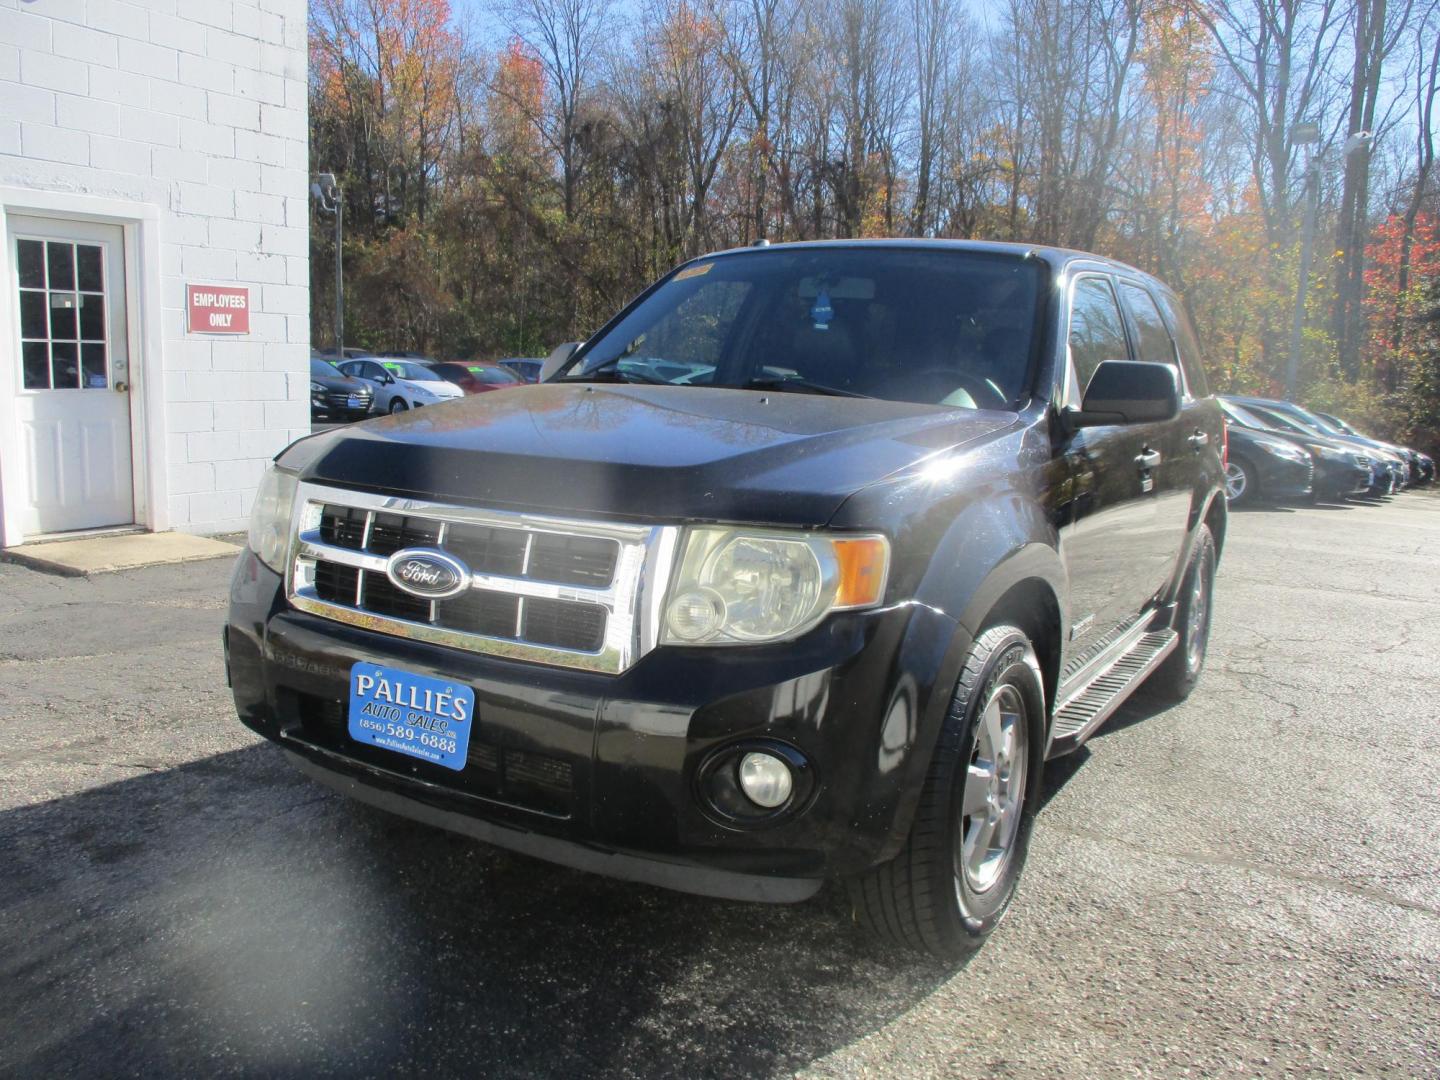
{"type": "Point", "coordinates": [1339, 469]}
{"type": "Point", "coordinates": [1422, 465]}
{"type": "Point", "coordinates": [528, 368]}
{"type": "Point", "coordinates": [1262, 464]}
{"type": "Point", "coordinates": [476, 378]}
{"type": "Point", "coordinates": [1396, 456]}
{"type": "Point", "coordinates": [742, 635]}
{"type": "Point", "coordinates": [335, 396]}
{"type": "Point", "coordinates": [1387, 469]}
{"type": "Point", "coordinates": [331, 353]}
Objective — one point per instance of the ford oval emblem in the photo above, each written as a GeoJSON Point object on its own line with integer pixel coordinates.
{"type": "Point", "coordinates": [427, 573]}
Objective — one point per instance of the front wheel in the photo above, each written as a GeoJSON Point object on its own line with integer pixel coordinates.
{"type": "Point", "coordinates": [1239, 482]}
{"type": "Point", "coordinates": [398, 406]}
{"type": "Point", "coordinates": [953, 881]}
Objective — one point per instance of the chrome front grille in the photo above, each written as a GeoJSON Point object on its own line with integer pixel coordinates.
{"type": "Point", "coordinates": [580, 594]}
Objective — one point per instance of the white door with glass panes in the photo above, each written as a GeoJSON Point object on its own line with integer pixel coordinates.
{"type": "Point", "coordinates": [73, 374]}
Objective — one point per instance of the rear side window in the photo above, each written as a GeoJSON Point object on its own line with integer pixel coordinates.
{"type": "Point", "coordinates": [495, 376]}
{"type": "Point", "coordinates": [1189, 347]}
{"type": "Point", "coordinates": [1096, 330]}
{"type": "Point", "coordinates": [1156, 345]}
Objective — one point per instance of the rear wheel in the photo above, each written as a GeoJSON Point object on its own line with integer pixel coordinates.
{"type": "Point", "coordinates": [1240, 485]}
{"type": "Point", "coordinates": [1177, 676]}
{"type": "Point", "coordinates": [952, 882]}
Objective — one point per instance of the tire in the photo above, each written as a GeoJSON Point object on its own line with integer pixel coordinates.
{"type": "Point", "coordinates": [1240, 476]}
{"type": "Point", "coordinates": [1176, 677]}
{"type": "Point", "coordinates": [948, 889]}
{"type": "Point", "coordinates": [398, 406]}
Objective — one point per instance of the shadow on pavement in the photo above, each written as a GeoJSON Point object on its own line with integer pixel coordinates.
{"type": "Point", "coordinates": [228, 916]}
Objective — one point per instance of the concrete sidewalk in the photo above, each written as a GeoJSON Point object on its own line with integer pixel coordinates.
{"type": "Point", "coordinates": [118, 551]}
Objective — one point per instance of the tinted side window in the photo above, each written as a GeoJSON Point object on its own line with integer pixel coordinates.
{"type": "Point", "coordinates": [1155, 342]}
{"type": "Point", "coordinates": [1096, 330]}
{"type": "Point", "coordinates": [1189, 347]}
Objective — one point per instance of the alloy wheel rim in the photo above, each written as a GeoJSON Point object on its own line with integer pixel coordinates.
{"type": "Point", "coordinates": [1235, 481]}
{"type": "Point", "coordinates": [993, 793]}
{"type": "Point", "coordinates": [1198, 616]}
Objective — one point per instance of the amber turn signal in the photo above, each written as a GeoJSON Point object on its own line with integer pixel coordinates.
{"type": "Point", "coordinates": [864, 562]}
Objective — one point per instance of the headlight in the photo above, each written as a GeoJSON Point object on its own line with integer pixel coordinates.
{"type": "Point", "coordinates": [1329, 453]}
{"type": "Point", "coordinates": [270, 517]}
{"type": "Point", "coordinates": [1284, 450]}
{"type": "Point", "coordinates": [738, 586]}
{"type": "Point", "coordinates": [423, 391]}
{"type": "Point", "coordinates": [316, 388]}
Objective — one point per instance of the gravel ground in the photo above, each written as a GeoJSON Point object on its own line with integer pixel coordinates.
{"type": "Point", "coordinates": [1246, 883]}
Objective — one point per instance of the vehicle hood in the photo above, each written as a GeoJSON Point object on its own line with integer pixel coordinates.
{"type": "Point", "coordinates": [1259, 437]}
{"type": "Point", "coordinates": [443, 388]}
{"type": "Point", "coordinates": [340, 382]}
{"type": "Point", "coordinates": [643, 452]}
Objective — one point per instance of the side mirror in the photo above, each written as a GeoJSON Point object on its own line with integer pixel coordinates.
{"type": "Point", "coordinates": [557, 359]}
{"type": "Point", "coordinates": [385, 380]}
{"type": "Point", "coordinates": [1129, 392]}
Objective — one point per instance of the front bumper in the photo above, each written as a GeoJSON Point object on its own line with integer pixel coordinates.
{"type": "Point", "coordinates": [599, 771]}
{"type": "Point", "coordinates": [1337, 479]}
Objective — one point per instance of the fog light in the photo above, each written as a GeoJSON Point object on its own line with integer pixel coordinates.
{"type": "Point", "coordinates": [765, 779]}
{"type": "Point", "coordinates": [696, 614]}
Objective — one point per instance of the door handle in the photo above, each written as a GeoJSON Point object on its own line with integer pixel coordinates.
{"type": "Point", "coordinates": [1147, 460]}
{"type": "Point", "coordinates": [1199, 440]}
{"type": "Point", "coordinates": [121, 387]}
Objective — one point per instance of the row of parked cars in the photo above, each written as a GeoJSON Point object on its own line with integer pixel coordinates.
{"type": "Point", "coordinates": [1280, 451]}
{"type": "Point", "coordinates": [354, 384]}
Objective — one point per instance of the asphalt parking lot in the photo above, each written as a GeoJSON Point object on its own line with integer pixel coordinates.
{"type": "Point", "coordinates": [1248, 883]}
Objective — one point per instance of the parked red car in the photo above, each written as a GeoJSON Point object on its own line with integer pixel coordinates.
{"type": "Point", "coordinates": [476, 378]}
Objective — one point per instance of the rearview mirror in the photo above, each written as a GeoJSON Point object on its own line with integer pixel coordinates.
{"type": "Point", "coordinates": [1129, 392]}
{"type": "Point", "coordinates": [557, 359]}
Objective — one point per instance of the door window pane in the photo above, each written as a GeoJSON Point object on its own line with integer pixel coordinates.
{"type": "Point", "coordinates": [1190, 357]}
{"type": "Point", "coordinates": [32, 315]}
{"type": "Point", "coordinates": [62, 265]}
{"type": "Point", "coordinates": [1155, 343]}
{"type": "Point", "coordinates": [65, 365]}
{"type": "Point", "coordinates": [1096, 330]}
{"type": "Point", "coordinates": [92, 277]}
{"type": "Point", "coordinates": [37, 365]}
{"type": "Point", "coordinates": [62, 316]}
{"type": "Point", "coordinates": [55, 318]}
{"type": "Point", "coordinates": [92, 316]}
{"type": "Point", "coordinates": [32, 264]}
{"type": "Point", "coordinates": [92, 363]}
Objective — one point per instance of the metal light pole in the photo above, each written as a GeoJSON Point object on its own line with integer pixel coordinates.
{"type": "Point", "coordinates": [327, 195]}
{"type": "Point", "coordinates": [1302, 134]}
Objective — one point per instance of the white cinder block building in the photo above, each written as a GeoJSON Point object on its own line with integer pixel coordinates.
{"type": "Point", "coordinates": [154, 323]}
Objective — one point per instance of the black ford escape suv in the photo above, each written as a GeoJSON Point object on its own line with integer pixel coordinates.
{"type": "Point", "coordinates": [799, 569]}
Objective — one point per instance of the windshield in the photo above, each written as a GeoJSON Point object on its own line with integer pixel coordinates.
{"type": "Point", "coordinates": [494, 375]}
{"type": "Point", "coordinates": [323, 367]}
{"type": "Point", "coordinates": [1319, 423]}
{"type": "Point", "coordinates": [1286, 422]}
{"type": "Point", "coordinates": [949, 328]}
{"type": "Point", "coordinates": [1244, 417]}
{"type": "Point", "coordinates": [405, 369]}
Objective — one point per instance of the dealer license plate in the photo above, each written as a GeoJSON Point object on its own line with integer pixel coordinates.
{"type": "Point", "coordinates": [353, 401]}
{"type": "Point", "coordinates": [411, 714]}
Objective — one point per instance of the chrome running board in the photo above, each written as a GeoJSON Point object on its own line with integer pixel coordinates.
{"type": "Point", "coordinates": [1080, 712]}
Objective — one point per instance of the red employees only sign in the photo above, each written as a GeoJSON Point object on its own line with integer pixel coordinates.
{"type": "Point", "coordinates": [218, 309]}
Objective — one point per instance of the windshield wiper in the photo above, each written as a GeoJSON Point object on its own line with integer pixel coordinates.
{"type": "Point", "coordinates": [610, 371]}
{"type": "Point", "coordinates": [779, 382]}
